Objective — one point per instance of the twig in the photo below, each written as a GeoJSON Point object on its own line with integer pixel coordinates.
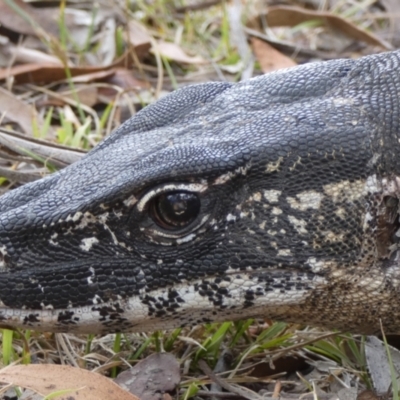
{"type": "Point", "coordinates": [246, 393]}
{"type": "Point", "coordinates": [199, 6]}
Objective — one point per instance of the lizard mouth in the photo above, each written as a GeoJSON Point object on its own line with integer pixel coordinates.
{"type": "Point", "coordinates": [232, 296]}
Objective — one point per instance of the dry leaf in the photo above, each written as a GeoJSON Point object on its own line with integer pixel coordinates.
{"type": "Point", "coordinates": [42, 73]}
{"type": "Point", "coordinates": [21, 54]}
{"type": "Point", "coordinates": [151, 378]}
{"type": "Point", "coordinates": [48, 73]}
{"type": "Point", "coordinates": [23, 176]}
{"type": "Point", "coordinates": [45, 18]}
{"type": "Point", "coordinates": [126, 80]}
{"type": "Point", "coordinates": [292, 16]}
{"type": "Point", "coordinates": [378, 363]}
{"type": "Point", "coordinates": [175, 53]}
{"type": "Point", "coordinates": [346, 394]}
{"type": "Point", "coordinates": [58, 155]}
{"type": "Point", "coordinates": [80, 23]}
{"type": "Point", "coordinates": [96, 76]}
{"type": "Point", "coordinates": [79, 384]}
{"type": "Point", "coordinates": [137, 34]}
{"type": "Point", "coordinates": [15, 110]}
{"type": "Point", "coordinates": [85, 94]}
{"type": "Point", "coordinates": [368, 395]}
{"type": "Point", "coordinates": [269, 58]}
{"type": "Point", "coordinates": [393, 14]}
{"type": "Point", "coordinates": [106, 49]}
{"type": "Point", "coordinates": [201, 5]}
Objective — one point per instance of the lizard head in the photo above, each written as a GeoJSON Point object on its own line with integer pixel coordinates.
{"type": "Point", "coordinates": [219, 201]}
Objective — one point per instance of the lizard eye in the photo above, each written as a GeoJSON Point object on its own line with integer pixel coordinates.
{"type": "Point", "coordinates": [175, 210]}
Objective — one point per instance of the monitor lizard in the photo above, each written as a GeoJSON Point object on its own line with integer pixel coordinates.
{"type": "Point", "coordinates": [273, 197]}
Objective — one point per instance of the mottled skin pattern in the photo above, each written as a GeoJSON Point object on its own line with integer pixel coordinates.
{"type": "Point", "coordinates": [297, 173]}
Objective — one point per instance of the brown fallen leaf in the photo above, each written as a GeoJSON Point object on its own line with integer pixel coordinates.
{"type": "Point", "coordinates": [175, 53]}
{"type": "Point", "coordinates": [292, 16]}
{"type": "Point", "coordinates": [253, 30]}
{"type": "Point", "coordinates": [76, 383]}
{"type": "Point", "coordinates": [43, 73]}
{"type": "Point", "coordinates": [15, 16]}
{"type": "Point", "coordinates": [370, 395]}
{"type": "Point", "coordinates": [48, 73]}
{"type": "Point", "coordinates": [138, 35]}
{"type": "Point", "coordinates": [269, 58]}
{"type": "Point", "coordinates": [151, 378]}
{"type": "Point", "coordinates": [125, 79]}
{"type": "Point", "coordinates": [90, 95]}
{"type": "Point", "coordinates": [15, 110]}
{"type": "Point", "coordinates": [85, 94]}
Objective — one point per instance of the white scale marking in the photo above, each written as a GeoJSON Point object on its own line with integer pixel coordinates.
{"type": "Point", "coordinates": [87, 243]}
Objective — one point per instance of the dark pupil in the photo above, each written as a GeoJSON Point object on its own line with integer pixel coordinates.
{"type": "Point", "coordinates": [177, 209]}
